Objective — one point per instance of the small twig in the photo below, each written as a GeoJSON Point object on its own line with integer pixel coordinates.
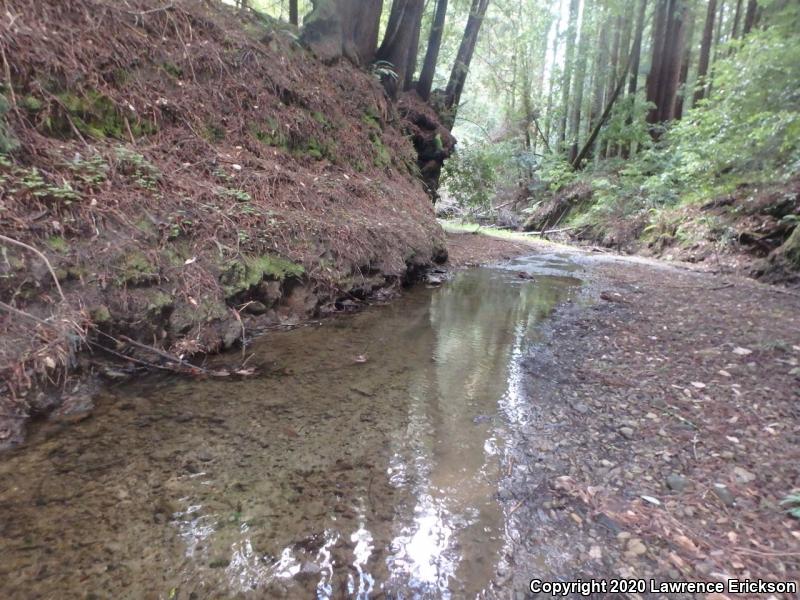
{"type": "Point", "coordinates": [516, 507]}
{"type": "Point", "coordinates": [40, 255]}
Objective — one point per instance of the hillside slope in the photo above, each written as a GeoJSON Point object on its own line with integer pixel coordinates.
{"type": "Point", "coordinates": [186, 169]}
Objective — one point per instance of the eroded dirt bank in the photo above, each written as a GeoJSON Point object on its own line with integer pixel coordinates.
{"type": "Point", "coordinates": [663, 431]}
{"type": "Point", "coordinates": [190, 174]}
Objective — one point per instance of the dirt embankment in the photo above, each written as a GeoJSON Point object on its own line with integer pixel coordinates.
{"type": "Point", "coordinates": [751, 231]}
{"type": "Point", "coordinates": [175, 173]}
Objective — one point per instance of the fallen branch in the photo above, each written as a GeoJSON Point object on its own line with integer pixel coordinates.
{"type": "Point", "coordinates": [576, 164]}
{"type": "Point", "coordinates": [549, 231]}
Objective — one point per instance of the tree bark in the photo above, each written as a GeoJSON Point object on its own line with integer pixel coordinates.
{"type": "Point", "coordinates": [397, 41]}
{"type": "Point", "coordinates": [294, 17]}
{"type": "Point", "coordinates": [458, 76]}
{"type": "Point", "coordinates": [413, 49]}
{"type": "Point", "coordinates": [663, 83]}
{"type": "Point", "coordinates": [736, 19]}
{"type": "Point", "coordinates": [636, 56]}
{"type": "Point", "coordinates": [566, 80]}
{"type": "Point", "coordinates": [705, 51]}
{"type": "Point", "coordinates": [578, 86]}
{"type": "Point", "coordinates": [685, 62]}
{"type": "Point", "coordinates": [425, 83]}
{"type": "Point", "coordinates": [548, 125]}
{"type": "Point", "coordinates": [600, 65]}
{"type": "Point", "coordinates": [750, 16]}
{"type": "Point", "coordinates": [336, 28]}
{"type": "Point", "coordinates": [611, 79]}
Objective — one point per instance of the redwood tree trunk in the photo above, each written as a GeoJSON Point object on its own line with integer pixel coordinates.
{"type": "Point", "coordinates": [336, 28]}
{"type": "Point", "coordinates": [750, 16]}
{"type": "Point", "coordinates": [636, 55]}
{"type": "Point", "coordinates": [705, 50]}
{"type": "Point", "coordinates": [662, 84]}
{"type": "Point", "coordinates": [737, 15]}
{"type": "Point", "coordinates": [458, 76]}
{"type": "Point", "coordinates": [566, 81]}
{"type": "Point", "coordinates": [399, 36]}
{"type": "Point", "coordinates": [685, 61]}
{"type": "Point", "coordinates": [413, 49]}
{"type": "Point", "coordinates": [425, 83]}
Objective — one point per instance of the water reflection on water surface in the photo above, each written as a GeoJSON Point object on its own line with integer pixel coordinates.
{"type": "Point", "coordinates": [322, 477]}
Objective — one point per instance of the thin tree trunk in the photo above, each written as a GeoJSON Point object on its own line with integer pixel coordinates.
{"type": "Point", "coordinates": [600, 65]}
{"type": "Point", "coordinates": [750, 16]}
{"type": "Point", "coordinates": [580, 77]}
{"type": "Point", "coordinates": [736, 18]}
{"type": "Point", "coordinates": [611, 81]}
{"type": "Point", "coordinates": [425, 84]}
{"type": "Point", "coordinates": [566, 80]}
{"type": "Point", "coordinates": [636, 56]}
{"type": "Point", "coordinates": [413, 50]}
{"type": "Point", "coordinates": [551, 86]}
{"type": "Point", "coordinates": [705, 51]}
{"type": "Point", "coordinates": [458, 76]}
{"type": "Point", "coordinates": [685, 61]}
{"type": "Point", "coordinates": [294, 17]}
{"type": "Point", "coordinates": [624, 51]}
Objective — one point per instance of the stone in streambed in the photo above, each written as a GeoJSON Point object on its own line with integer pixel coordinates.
{"type": "Point", "coordinates": [676, 482]}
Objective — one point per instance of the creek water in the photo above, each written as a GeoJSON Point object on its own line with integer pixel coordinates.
{"type": "Point", "coordinates": [362, 461]}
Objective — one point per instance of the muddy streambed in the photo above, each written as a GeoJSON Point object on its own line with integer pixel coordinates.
{"type": "Point", "coordinates": [363, 461]}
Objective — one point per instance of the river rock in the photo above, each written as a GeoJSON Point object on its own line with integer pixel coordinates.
{"type": "Point", "coordinates": [743, 475]}
{"type": "Point", "coordinates": [627, 432]}
{"type": "Point", "coordinates": [724, 494]}
{"type": "Point", "coordinates": [676, 482]}
{"type": "Point", "coordinates": [636, 547]}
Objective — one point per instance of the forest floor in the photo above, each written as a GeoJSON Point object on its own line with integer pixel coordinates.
{"type": "Point", "coordinates": [664, 430]}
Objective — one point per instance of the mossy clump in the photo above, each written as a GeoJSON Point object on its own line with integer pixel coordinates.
{"type": "Point", "coordinates": [269, 133]}
{"type": "Point", "coordinates": [95, 115]}
{"type": "Point", "coordinates": [382, 157]}
{"type": "Point", "coordinates": [241, 275]}
{"type": "Point", "coordinates": [320, 118]}
{"type": "Point", "coordinates": [135, 269]}
{"type": "Point", "coordinates": [158, 302]}
{"type": "Point", "coordinates": [57, 243]}
{"type": "Point", "coordinates": [31, 104]}
{"type": "Point", "coordinates": [100, 314]}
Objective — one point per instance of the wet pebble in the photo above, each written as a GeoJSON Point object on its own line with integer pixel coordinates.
{"type": "Point", "coordinates": [676, 482]}
{"type": "Point", "coordinates": [724, 494]}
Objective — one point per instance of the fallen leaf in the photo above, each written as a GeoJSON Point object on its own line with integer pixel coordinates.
{"type": "Point", "coordinates": [651, 500]}
{"type": "Point", "coordinates": [742, 351]}
{"type": "Point", "coordinates": [361, 358]}
{"type": "Point", "coordinates": [698, 384]}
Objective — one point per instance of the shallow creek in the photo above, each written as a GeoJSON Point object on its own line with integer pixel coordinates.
{"type": "Point", "coordinates": [362, 461]}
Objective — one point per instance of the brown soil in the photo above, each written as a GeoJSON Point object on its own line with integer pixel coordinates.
{"type": "Point", "coordinates": [471, 249]}
{"type": "Point", "coordinates": [188, 169]}
{"type": "Point", "coordinates": [665, 431]}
